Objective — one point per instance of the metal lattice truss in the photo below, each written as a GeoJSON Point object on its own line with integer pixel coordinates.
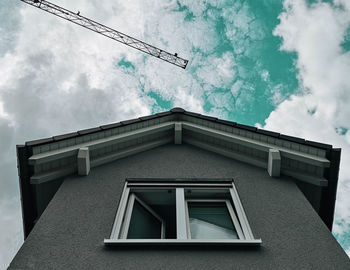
{"type": "Point", "coordinates": [107, 31]}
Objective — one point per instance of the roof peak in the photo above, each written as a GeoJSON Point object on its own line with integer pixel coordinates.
{"type": "Point", "coordinates": [177, 109]}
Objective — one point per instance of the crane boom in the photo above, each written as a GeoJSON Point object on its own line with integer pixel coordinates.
{"type": "Point", "coordinates": [108, 32]}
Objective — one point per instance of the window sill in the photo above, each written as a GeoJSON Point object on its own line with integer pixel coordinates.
{"type": "Point", "coordinates": [190, 242]}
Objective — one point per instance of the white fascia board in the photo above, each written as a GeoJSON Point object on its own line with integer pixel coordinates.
{"type": "Point", "coordinates": [285, 152]}
{"type": "Point", "coordinates": [229, 137]}
{"type": "Point", "coordinates": [95, 144]}
{"type": "Point", "coordinates": [318, 181]}
{"type": "Point", "coordinates": [52, 175]}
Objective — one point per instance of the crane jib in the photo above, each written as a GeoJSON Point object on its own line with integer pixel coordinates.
{"type": "Point", "coordinates": [108, 32]}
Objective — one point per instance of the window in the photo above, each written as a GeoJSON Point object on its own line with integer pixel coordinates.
{"type": "Point", "coordinates": [181, 211]}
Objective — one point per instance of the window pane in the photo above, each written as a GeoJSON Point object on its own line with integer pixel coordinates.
{"type": "Point", "coordinates": [210, 221]}
{"type": "Point", "coordinates": [143, 225]}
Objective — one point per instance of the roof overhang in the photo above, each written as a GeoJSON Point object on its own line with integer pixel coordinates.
{"type": "Point", "coordinates": [42, 164]}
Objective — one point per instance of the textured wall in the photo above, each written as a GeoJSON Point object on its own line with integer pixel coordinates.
{"type": "Point", "coordinates": [70, 233]}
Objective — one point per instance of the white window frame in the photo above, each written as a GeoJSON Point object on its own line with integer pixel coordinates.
{"type": "Point", "coordinates": [123, 216]}
{"type": "Point", "coordinates": [125, 226]}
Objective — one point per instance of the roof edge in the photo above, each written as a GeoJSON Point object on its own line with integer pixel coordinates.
{"type": "Point", "coordinates": [176, 111]}
{"type": "Point", "coordinates": [28, 210]}
{"type": "Point", "coordinates": [329, 194]}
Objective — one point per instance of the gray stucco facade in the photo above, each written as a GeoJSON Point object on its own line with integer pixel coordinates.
{"type": "Point", "coordinates": [71, 230]}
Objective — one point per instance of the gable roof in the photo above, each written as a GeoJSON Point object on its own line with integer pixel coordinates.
{"type": "Point", "coordinates": [43, 164]}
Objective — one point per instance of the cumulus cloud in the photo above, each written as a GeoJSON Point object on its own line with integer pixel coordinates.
{"type": "Point", "coordinates": [57, 77]}
{"type": "Point", "coordinates": [224, 74]}
{"type": "Point", "coordinates": [321, 111]}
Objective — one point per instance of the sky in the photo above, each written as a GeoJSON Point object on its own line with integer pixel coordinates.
{"type": "Point", "coordinates": [282, 65]}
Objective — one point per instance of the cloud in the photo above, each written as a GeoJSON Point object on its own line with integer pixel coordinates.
{"type": "Point", "coordinates": [12, 239]}
{"type": "Point", "coordinates": [8, 38]}
{"type": "Point", "coordinates": [62, 80]}
{"type": "Point", "coordinates": [321, 110]}
{"type": "Point", "coordinates": [224, 74]}
{"type": "Point", "coordinates": [57, 77]}
{"type": "Point", "coordinates": [69, 78]}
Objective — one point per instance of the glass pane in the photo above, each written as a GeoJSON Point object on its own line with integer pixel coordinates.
{"type": "Point", "coordinates": [162, 201]}
{"type": "Point", "coordinates": [143, 225]}
{"type": "Point", "coordinates": [210, 221]}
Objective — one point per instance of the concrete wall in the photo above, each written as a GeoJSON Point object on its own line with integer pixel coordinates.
{"type": "Point", "coordinates": [70, 233]}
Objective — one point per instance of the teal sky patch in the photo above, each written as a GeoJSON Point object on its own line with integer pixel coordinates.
{"type": "Point", "coordinates": [263, 76]}
{"type": "Point", "coordinates": [160, 102]}
{"type": "Point", "coordinates": [346, 42]}
{"type": "Point", "coordinates": [183, 8]}
{"type": "Point", "coordinates": [343, 239]}
{"type": "Point", "coordinates": [341, 130]}
{"type": "Point", "coordinates": [126, 64]}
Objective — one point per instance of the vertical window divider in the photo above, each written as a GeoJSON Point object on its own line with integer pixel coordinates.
{"type": "Point", "coordinates": [188, 229]}
{"type": "Point", "coordinates": [235, 220]}
{"type": "Point", "coordinates": [181, 227]}
{"type": "Point", "coordinates": [241, 214]}
{"type": "Point", "coordinates": [121, 210]}
{"type": "Point", "coordinates": [127, 217]}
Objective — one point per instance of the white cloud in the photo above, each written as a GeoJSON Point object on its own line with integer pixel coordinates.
{"type": "Point", "coordinates": [57, 81]}
{"type": "Point", "coordinates": [3, 114]}
{"type": "Point", "coordinates": [224, 74]}
{"type": "Point", "coordinates": [277, 96]}
{"type": "Point", "coordinates": [196, 7]}
{"type": "Point", "coordinates": [315, 33]}
{"type": "Point", "coordinates": [12, 239]}
{"type": "Point", "coordinates": [265, 75]}
{"type": "Point", "coordinates": [236, 87]}
{"type": "Point", "coordinates": [58, 78]}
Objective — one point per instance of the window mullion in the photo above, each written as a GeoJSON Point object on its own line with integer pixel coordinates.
{"type": "Point", "coordinates": [180, 214]}
{"type": "Point", "coordinates": [235, 220]}
{"type": "Point", "coordinates": [121, 209]}
{"type": "Point", "coordinates": [127, 217]}
{"type": "Point", "coordinates": [241, 214]}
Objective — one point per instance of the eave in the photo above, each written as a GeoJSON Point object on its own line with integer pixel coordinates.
{"type": "Point", "coordinates": [51, 159]}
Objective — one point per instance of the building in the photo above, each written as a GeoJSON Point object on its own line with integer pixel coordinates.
{"type": "Point", "coordinates": [178, 190]}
